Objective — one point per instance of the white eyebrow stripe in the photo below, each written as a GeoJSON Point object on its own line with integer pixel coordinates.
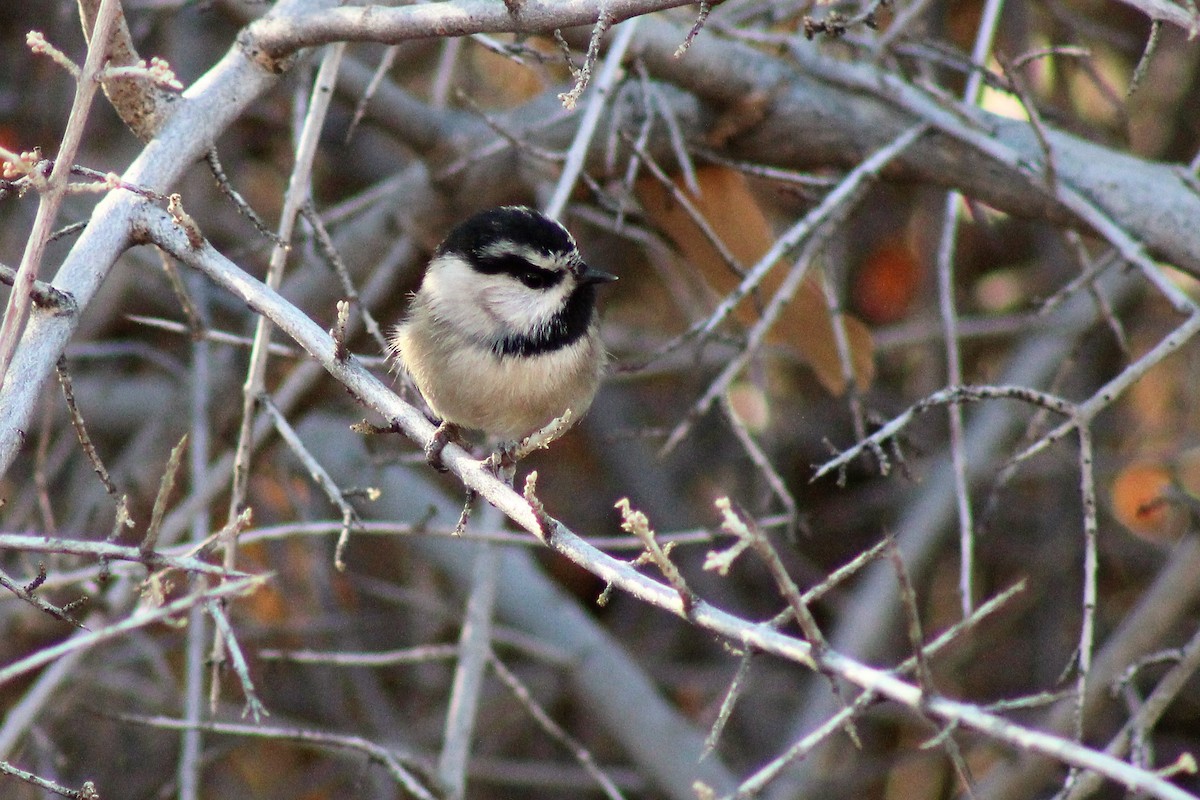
{"type": "Point", "coordinates": [555, 262]}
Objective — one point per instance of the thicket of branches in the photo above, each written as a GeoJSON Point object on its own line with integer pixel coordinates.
{"type": "Point", "coordinates": [889, 493]}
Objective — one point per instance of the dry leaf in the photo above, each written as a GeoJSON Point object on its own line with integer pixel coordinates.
{"type": "Point", "coordinates": [499, 82]}
{"type": "Point", "coordinates": [733, 213]}
{"type": "Point", "coordinates": [1142, 502]}
{"type": "Point", "coordinates": [886, 282]}
{"type": "Point", "coordinates": [140, 104]}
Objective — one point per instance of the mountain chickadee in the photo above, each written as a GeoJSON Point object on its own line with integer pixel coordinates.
{"type": "Point", "coordinates": [501, 336]}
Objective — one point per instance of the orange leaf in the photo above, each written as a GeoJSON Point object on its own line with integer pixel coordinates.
{"type": "Point", "coordinates": [728, 205]}
{"type": "Point", "coordinates": [886, 283]}
{"type": "Point", "coordinates": [1141, 501]}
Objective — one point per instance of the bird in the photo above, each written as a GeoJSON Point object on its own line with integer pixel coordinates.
{"type": "Point", "coordinates": [502, 335]}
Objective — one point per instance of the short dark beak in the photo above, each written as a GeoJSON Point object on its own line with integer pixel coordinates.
{"type": "Point", "coordinates": [593, 275]}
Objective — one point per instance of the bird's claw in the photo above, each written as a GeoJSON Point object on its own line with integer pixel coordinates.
{"type": "Point", "coordinates": [446, 433]}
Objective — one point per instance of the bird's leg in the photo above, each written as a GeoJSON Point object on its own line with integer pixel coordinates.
{"type": "Point", "coordinates": [446, 433]}
{"type": "Point", "coordinates": [465, 515]}
{"type": "Point", "coordinates": [506, 463]}
{"type": "Point", "coordinates": [508, 455]}
{"type": "Point", "coordinates": [503, 461]}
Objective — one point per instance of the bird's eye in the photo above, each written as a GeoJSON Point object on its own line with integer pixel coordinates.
{"type": "Point", "coordinates": [518, 268]}
{"type": "Point", "coordinates": [535, 278]}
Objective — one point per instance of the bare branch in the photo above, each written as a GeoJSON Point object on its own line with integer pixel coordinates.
{"type": "Point", "coordinates": [16, 312]}
{"type": "Point", "coordinates": [702, 614]}
{"type": "Point", "coordinates": [278, 35]}
{"type": "Point", "coordinates": [87, 792]}
{"type": "Point", "coordinates": [474, 648]}
{"type": "Point", "coordinates": [44, 295]}
{"type": "Point", "coordinates": [390, 759]}
{"type": "Point", "coordinates": [27, 593]}
{"type": "Point", "coordinates": [232, 588]}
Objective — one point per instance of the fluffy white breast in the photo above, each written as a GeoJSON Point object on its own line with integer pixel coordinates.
{"type": "Point", "coordinates": [506, 396]}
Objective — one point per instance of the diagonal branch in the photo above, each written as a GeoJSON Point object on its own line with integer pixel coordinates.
{"type": "Point", "coordinates": [156, 226]}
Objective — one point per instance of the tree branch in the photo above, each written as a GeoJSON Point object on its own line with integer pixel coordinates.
{"type": "Point", "coordinates": [154, 225]}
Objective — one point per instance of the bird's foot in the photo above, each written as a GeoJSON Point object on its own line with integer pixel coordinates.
{"type": "Point", "coordinates": [446, 433]}
{"type": "Point", "coordinates": [503, 461]}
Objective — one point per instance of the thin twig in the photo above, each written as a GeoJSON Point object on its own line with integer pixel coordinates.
{"type": "Point", "coordinates": [924, 675]}
{"type": "Point", "coordinates": [16, 311]}
{"type": "Point", "coordinates": [329, 253]}
{"type": "Point", "coordinates": [177, 558]}
{"type": "Point", "coordinates": [1090, 269]}
{"type": "Point", "coordinates": [737, 685]}
{"type": "Point", "coordinates": [1087, 627]}
{"type": "Point", "coordinates": [85, 441]}
{"type": "Point", "coordinates": [635, 522]}
{"type": "Point", "coordinates": [841, 340]}
{"type": "Point", "coordinates": [474, 646]}
{"type": "Point", "coordinates": [763, 463]}
{"type": "Point", "coordinates": [787, 177]}
{"type": "Point", "coordinates": [443, 77]}
{"type": "Point", "coordinates": [949, 395]}
{"type": "Point", "coordinates": [555, 731]}
{"type": "Point", "coordinates": [1073, 51]}
{"type": "Point", "coordinates": [388, 758]}
{"type": "Point", "coordinates": [701, 17]}
{"type": "Point", "coordinates": [1019, 87]}
{"type": "Point", "coordinates": [190, 313]}
{"type": "Point", "coordinates": [240, 203]}
{"type": "Point", "coordinates": [520, 142]}
{"type": "Point", "coordinates": [28, 594]}
{"type": "Point", "coordinates": [912, 617]}
{"type": "Point", "coordinates": [605, 84]}
{"type": "Point", "coordinates": [254, 706]}
{"type": "Point", "coordinates": [86, 792]}
{"type": "Point", "coordinates": [1143, 64]}
{"type": "Point", "coordinates": [46, 655]}
{"type": "Point", "coordinates": [377, 77]}
{"type": "Point", "coordinates": [320, 476]}
{"type": "Point", "coordinates": [386, 658]}
{"type": "Point", "coordinates": [583, 75]}
{"type": "Point", "coordinates": [297, 195]}
{"type": "Point", "coordinates": [948, 309]}
{"type": "Point", "coordinates": [223, 337]}
{"type": "Point", "coordinates": [633, 164]}
{"type": "Point", "coordinates": [165, 487]}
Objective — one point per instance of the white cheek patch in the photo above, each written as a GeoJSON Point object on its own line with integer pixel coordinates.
{"type": "Point", "coordinates": [488, 308]}
{"type": "Point", "coordinates": [456, 298]}
{"type": "Point", "coordinates": [449, 278]}
{"type": "Point", "coordinates": [519, 308]}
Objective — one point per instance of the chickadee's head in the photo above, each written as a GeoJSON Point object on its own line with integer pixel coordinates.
{"type": "Point", "coordinates": [513, 280]}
